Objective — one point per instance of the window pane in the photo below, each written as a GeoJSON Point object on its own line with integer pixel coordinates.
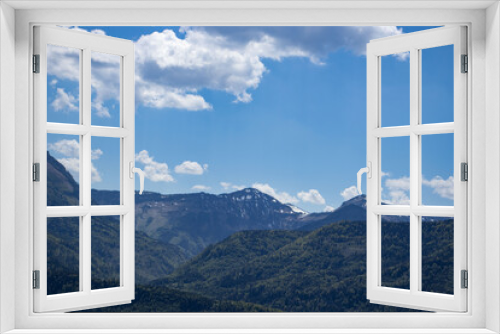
{"type": "Point", "coordinates": [105, 252]}
{"type": "Point", "coordinates": [63, 255]}
{"type": "Point", "coordinates": [63, 170]}
{"type": "Point", "coordinates": [395, 166]}
{"type": "Point", "coordinates": [395, 89]}
{"type": "Point", "coordinates": [437, 84]}
{"type": "Point", "coordinates": [106, 170]}
{"type": "Point", "coordinates": [437, 169]}
{"type": "Point", "coordinates": [63, 84]}
{"type": "Point", "coordinates": [105, 89]}
{"type": "Point", "coordinates": [437, 254]}
{"type": "Point", "coordinates": [396, 251]}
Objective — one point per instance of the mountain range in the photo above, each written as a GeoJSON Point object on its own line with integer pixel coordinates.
{"type": "Point", "coordinates": [241, 252]}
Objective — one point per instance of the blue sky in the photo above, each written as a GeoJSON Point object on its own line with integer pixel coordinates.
{"type": "Point", "coordinates": [282, 109]}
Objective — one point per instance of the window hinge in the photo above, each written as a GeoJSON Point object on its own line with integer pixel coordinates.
{"type": "Point", "coordinates": [465, 279]}
{"type": "Point", "coordinates": [36, 172]}
{"type": "Point", "coordinates": [465, 64]}
{"type": "Point", "coordinates": [36, 279]}
{"type": "Point", "coordinates": [464, 167]}
{"type": "Point", "coordinates": [36, 63]}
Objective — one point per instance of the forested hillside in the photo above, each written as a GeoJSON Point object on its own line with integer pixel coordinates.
{"type": "Point", "coordinates": [232, 261]}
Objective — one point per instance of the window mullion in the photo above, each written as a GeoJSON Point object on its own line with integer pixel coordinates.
{"type": "Point", "coordinates": [415, 246]}
{"type": "Point", "coordinates": [85, 185]}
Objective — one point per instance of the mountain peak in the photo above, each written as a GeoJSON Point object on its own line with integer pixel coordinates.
{"type": "Point", "coordinates": [359, 200]}
{"type": "Point", "coordinates": [247, 191]}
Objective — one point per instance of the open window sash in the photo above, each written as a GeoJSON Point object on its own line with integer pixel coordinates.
{"type": "Point", "coordinates": [414, 297]}
{"type": "Point", "coordinates": [84, 297]}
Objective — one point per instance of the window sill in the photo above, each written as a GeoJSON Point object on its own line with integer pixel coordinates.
{"type": "Point", "coordinates": [251, 331]}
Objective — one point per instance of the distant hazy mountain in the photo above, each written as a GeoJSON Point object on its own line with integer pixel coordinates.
{"type": "Point", "coordinates": [351, 210]}
{"type": "Point", "coordinates": [194, 221]}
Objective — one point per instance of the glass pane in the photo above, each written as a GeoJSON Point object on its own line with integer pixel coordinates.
{"type": "Point", "coordinates": [396, 251]}
{"type": "Point", "coordinates": [106, 170]}
{"type": "Point", "coordinates": [437, 169]}
{"type": "Point", "coordinates": [395, 166]}
{"type": "Point", "coordinates": [437, 84]}
{"type": "Point", "coordinates": [437, 254]}
{"type": "Point", "coordinates": [105, 89]}
{"type": "Point", "coordinates": [105, 252]}
{"type": "Point", "coordinates": [63, 255]}
{"type": "Point", "coordinates": [63, 170]}
{"type": "Point", "coordinates": [63, 84]}
{"type": "Point", "coordinates": [395, 89]}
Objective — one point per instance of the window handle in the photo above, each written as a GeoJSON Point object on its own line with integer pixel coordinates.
{"type": "Point", "coordinates": [139, 171]}
{"type": "Point", "coordinates": [368, 171]}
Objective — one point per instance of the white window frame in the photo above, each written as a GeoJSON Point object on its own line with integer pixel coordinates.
{"type": "Point", "coordinates": [414, 43]}
{"type": "Point", "coordinates": [484, 147]}
{"type": "Point", "coordinates": [86, 43]}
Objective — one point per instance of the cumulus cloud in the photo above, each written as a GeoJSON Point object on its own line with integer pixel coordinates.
{"type": "Point", "coordinates": [66, 147]}
{"type": "Point", "coordinates": [397, 191]}
{"type": "Point", "coordinates": [154, 171]}
{"type": "Point", "coordinates": [230, 186]}
{"type": "Point", "coordinates": [159, 97]}
{"type": "Point", "coordinates": [105, 82]}
{"type": "Point", "coordinates": [70, 150]}
{"type": "Point", "coordinates": [349, 193]}
{"type": "Point", "coordinates": [64, 63]}
{"type": "Point", "coordinates": [283, 197]}
{"type": "Point", "coordinates": [230, 58]}
{"type": "Point", "coordinates": [312, 196]}
{"type": "Point", "coordinates": [172, 69]}
{"type": "Point", "coordinates": [64, 101]}
{"type": "Point", "coordinates": [200, 187]}
{"type": "Point", "coordinates": [328, 208]}
{"type": "Point", "coordinates": [96, 154]}
{"type": "Point", "coordinates": [440, 186]}
{"type": "Point", "coordinates": [190, 167]}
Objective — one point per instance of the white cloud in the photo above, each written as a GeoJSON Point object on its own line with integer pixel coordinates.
{"type": "Point", "coordinates": [190, 167]}
{"type": "Point", "coordinates": [155, 171]}
{"type": "Point", "coordinates": [349, 193]}
{"type": "Point", "coordinates": [171, 70]}
{"type": "Point", "coordinates": [53, 82]}
{"type": "Point", "coordinates": [174, 69]}
{"type": "Point", "coordinates": [200, 187]}
{"type": "Point", "coordinates": [105, 81]}
{"type": "Point", "coordinates": [402, 183]}
{"type": "Point", "coordinates": [159, 97]}
{"type": "Point", "coordinates": [403, 56]}
{"type": "Point", "coordinates": [64, 64]}
{"type": "Point", "coordinates": [283, 197]}
{"type": "Point", "coordinates": [101, 110]}
{"type": "Point", "coordinates": [229, 186]}
{"type": "Point", "coordinates": [70, 149]}
{"type": "Point", "coordinates": [312, 196]}
{"type": "Point", "coordinates": [64, 101]}
{"type": "Point", "coordinates": [96, 154]}
{"type": "Point", "coordinates": [328, 208]}
{"type": "Point", "coordinates": [398, 191]}
{"type": "Point", "coordinates": [96, 177]}
{"type": "Point", "coordinates": [225, 185]}
{"type": "Point", "coordinates": [440, 186]}
{"type": "Point", "coordinates": [66, 147]}
{"type": "Point", "coordinates": [73, 166]}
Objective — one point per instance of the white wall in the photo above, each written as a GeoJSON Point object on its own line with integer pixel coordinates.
{"type": "Point", "coordinates": [492, 166]}
{"type": "Point", "coordinates": [7, 163]}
